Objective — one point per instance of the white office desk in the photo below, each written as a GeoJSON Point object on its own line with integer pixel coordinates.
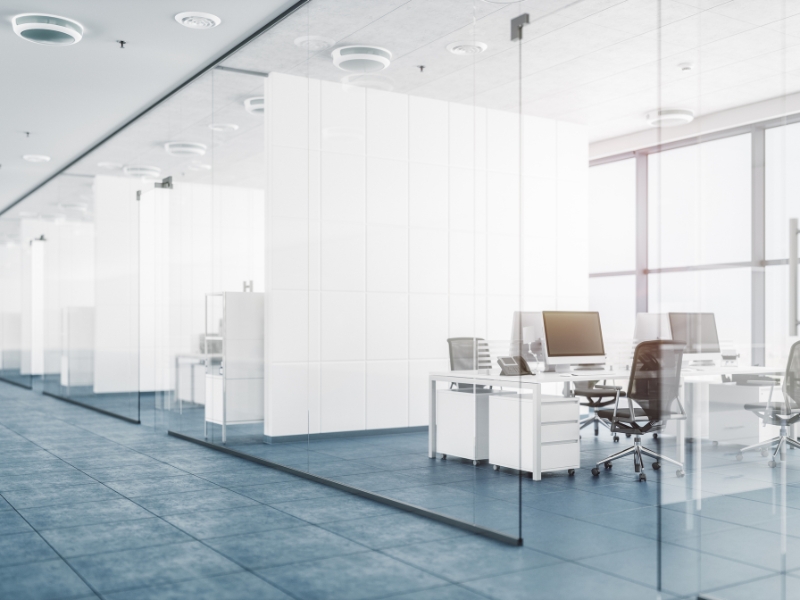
{"type": "Point", "coordinates": [695, 379]}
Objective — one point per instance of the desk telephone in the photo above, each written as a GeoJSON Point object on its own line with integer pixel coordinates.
{"type": "Point", "coordinates": [514, 366]}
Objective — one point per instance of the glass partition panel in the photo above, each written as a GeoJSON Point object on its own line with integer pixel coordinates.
{"type": "Point", "coordinates": [11, 247]}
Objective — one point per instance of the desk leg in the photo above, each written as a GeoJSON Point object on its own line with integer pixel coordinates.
{"type": "Point", "coordinates": [681, 442]}
{"type": "Point", "coordinates": [432, 419]}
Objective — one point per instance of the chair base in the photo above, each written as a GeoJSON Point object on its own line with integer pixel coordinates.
{"type": "Point", "coordinates": [639, 452]}
{"type": "Point", "coordinates": [596, 421]}
{"type": "Point", "coordinates": [780, 442]}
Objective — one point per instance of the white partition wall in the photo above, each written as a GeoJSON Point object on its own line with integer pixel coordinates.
{"type": "Point", "coordinates": [393, 223]}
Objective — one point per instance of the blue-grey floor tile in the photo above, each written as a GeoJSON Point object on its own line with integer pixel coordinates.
{"type": "Point", "coordinates": [566, 580]}
{"type": "Point", "coordinates": [4, 505]}
{"type": "Point", "coordinates": [241, 586]}
{"type": "Point", "coordinates": [111, 537]}
{"type": "Point", "coordinates": [32, 480]}
{"type": "Point", "coordinates": [146, 567]}
{"type": "Point", "coordinates": [134, 472]}
{"type": "Point", "coordinates": [86, 513]}
{"type": "Point", "coordinates": [59, 495]}
{"type": "Point", "coordinates": [274, 493]}
{"type": "Point", "coordinates": [11, 522]}
{"type": "Point", "coordinates": [432, 496]}
{"type": "Point", "coordinates": [658, 523]}
{"type": "Point", "coordinates": [133, 488]}
{"type": "Point", "coordinates": [235, 478]}
{"type": "Point", "coordinates": [398, 529]}
{"type": "Point", "coordinates": [375, 482]}
{"type": "Point", "coordinates": [734, 509]}
{"type": "Point", "coordinates": [777, 587]}
{"type": "Point", "coordinates": [21, 548]}
{"type": "Point", "coordinates": [464, 558]}
{"type": "Point", "coordinates": [284, 546]}
{"type": "Point", "coordinates": [231, 522]}
{"type": "Point", "coordinates": [579, 502]}
{"type": "Point", "coordinates": [48, 580]}
{"type": "Point", "coordinates": [334, 508]}
{"type": "Point", "coordinates": [446, 592]}
{"type": "Point", "coordinates": [355, 577]}
{"type": "Point", "coordinates": [13, 466]}
{"type": "Point", "coordinates": [210, 499]}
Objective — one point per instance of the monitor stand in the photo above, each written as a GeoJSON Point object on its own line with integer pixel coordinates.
{"type": "Point", "coordinates": [589, 367]}
{"type": "Point", "coordinates": [702, 363]}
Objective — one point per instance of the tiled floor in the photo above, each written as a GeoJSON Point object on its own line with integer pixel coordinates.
{"type": "Point", "coordinates": [94, 507]}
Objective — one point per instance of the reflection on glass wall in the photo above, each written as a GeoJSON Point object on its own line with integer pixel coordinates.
{"type": "Point", "coordinates": [539, 288]}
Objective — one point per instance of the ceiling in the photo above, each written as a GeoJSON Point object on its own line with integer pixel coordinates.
{"type": "Point", "coordinates": [69, 98]}
{"type": "Point", "coordinates": [603, 63]}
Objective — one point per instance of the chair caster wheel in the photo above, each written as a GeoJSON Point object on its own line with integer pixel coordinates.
{"type": "Point", "coordinates": [772, 464]}
{"type": "Point", "coordinates": [616, 438]}
{"type": "Point", "coordinates": [655, 436]}
{"type": "Point", "coordinates": [739, 457]}
{"type": "Point", "coordinates": [496, 467]}
{"type": "Point", "coordinates": [764, 452]}
{"type": "Point", "coordinates": [715, 443]}
{"type": "Point", "coordinates": [570, 472]}
{"type": "Point", "coordinates": [595, 471]}
{"type": "Point", "coordinates": [680, 473]}
{"type": "Point", "coordinates": [656, 466]}
{"type": "Point", "coordinates": [642, 477]}
{"type": "Point", "coordinates": [627, 435]}
{"type": "Point", "coordinates": [608, 464]}
{"type": "Point", "coordinates": [444, 456]}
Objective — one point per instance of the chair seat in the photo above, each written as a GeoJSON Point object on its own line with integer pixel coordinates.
{"type": "Point", "coordinates": [775, 414]}
{"type": "Point", "coordinates": [623, 414]}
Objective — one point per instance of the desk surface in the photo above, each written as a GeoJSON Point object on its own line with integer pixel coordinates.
{"type": "Point", "coordinates": [493, 375]}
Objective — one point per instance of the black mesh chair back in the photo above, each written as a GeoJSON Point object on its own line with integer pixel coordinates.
{"type": "Point", "coordinates": [469, 354]}
{"type": "Point", "coordinates": [655, 378]}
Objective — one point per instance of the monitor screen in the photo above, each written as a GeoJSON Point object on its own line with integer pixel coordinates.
{"type": "Point", "coordinates": [697, 330]}
{"type": "Point", "coordinates": [573, 333]}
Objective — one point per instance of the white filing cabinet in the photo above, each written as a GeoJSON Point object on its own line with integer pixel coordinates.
{"type": "Point", "coordinates": [524, 430]}
{"type": "Point", "coordinates": [729, 422]}
{"type": "Point", "coordinates": [462, 424]}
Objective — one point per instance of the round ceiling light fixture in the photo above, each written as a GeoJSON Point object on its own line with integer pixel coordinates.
{"type": "Point", "coordinates": [50, 30]}
{"type": "Point", "coordinates": [255, 105]}
{"type": "Point", "coordinates": [314, 43]}
{"type": "Point", "coordinates": [686, 67]}
{"type": "Point", "coordinates": [111, 166]}
{"type": "Point", "coordinates": [670, 117]}
{"type": "Point", "coordinates": [361, 59]}
{"type": "Point", "coordinates": [185, 148]}
{"type": "Point", "coordinates": [142, 171]}
{"type": "Point", "coordinates": [466, 48]}
{"type": "Point", "coordinates": [36, 158]}
{"type": "Point", "coordinates": [198, 20]}
{"type": "Point", "coordinates": [223, 127]}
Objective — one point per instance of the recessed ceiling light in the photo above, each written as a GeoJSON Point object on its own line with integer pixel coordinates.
{"type": "Point", "coordinates": [466, 48]}
{"type": "Point", "coordinates": [142, 171]}
{"type": "Point", "coordinates": [223, 127]}
{"type": "Point", "coordinates": [255, 105]}
{"type": "Point", "coordinates": [50, 30]}
{"type": "Point", "coordinates": [185, 148]}
{"type": "Point", "coordinates": [198, 20]}
{"type": "Point", "coordinates": [361, 59]}
{"type": "Point", "coordinates": [198, 166]}
{"type": "Point", "coordinates": [685, 67]}
{"type": "Point", "coordinates": [670, 117]}
{"type": "Point", "coordinates": [109, 165]}
{"type": "Point", "coordinates": [36, 158]}
{"type": "Point", "coordinates": [314, 43]}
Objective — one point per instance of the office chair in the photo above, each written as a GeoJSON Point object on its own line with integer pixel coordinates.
{"type": "Point", "coordinates": [595, 397]}
{"type": "Point", "coordinates": [653, 388]}
{"type": "Point", "coordinates": [782, 414]}
{"type": "Point", "coordinates": [468, 354]}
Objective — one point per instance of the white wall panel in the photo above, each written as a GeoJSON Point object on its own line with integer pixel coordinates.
{"type": "Point", "coordinates": [387, 394]}
{"type": "Point", "coordinates": [342, 195]}
{"type": "Point", "coordinates": [387, 125]}
{"type": "Point", "coordinates": [342, 396]}
{"type": "Point", "coordinates": [427, 261]}
{"type": "Point", "coordinates": [387, 326]}
{"type": "Point", "coordinates": [343, 256]}
{"type": "Point", "coordinates": [428, 326]}
{"type": "Point", "coordinates": [342, 326]}
{"type": "Point", "coordinates": [428, 128]}
{"type": "Point", "coordinates": [387, 259]}
{"type": "Point", "coordinates": [387, 191]}
{"type": "Point", "coordinates": [428, 196]}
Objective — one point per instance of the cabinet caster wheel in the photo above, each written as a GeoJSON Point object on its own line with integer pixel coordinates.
{"type": "Point", "coordinates": [656, 466]}
{"type": "Point", "coordinates": [595, 471]}
{"type": "Point", "coordinates": [627, 435]}
{"type": "Point", "coordinates": [616, 438]}
{"type": "Point", "coordinates": [570, 472]}
{"type": "Point", "coordinates": [715, 443]}
{"type": "Point", "coordinates": [474, 463]}
{"type": "Point", "coordinates": [764, 452]}
{"type": "Point", "coordinates": [655, 436]}
{"type": "Point", "coordinates": [739, 457]}
{"type": "Point", "coordinates": [679, 473]}
{"type": "Point", "coordinates": [772, 464]}
{"type": "Point", "coordinates": [496, 467]}
{"type": "Point", "coordinates": [608, 464]}
{"type": "Point", "coordinates": [642, 477]}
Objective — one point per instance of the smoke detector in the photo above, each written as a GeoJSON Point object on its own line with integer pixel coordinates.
{"type": "Point", "coordinates": [50, 30]}
{"type": "Point", "coordinates": [198, 20]}
{"type": "Point", "coordinates": [36, 158]}
{"type": "Point", "coordinates": [142, 171]}
{"type": "Point", "coordinates": [466, 48]}
{"type": "Point", "coordinates": [223, 127]}
{"type": "Point", "coordinates": [111, 166]}
{"type": "Point", "coordinates": [255, 105]}
{"type": "Point", "coordinates": [670, 117]}
{"type": "Point", "coordinates": [361, 59]}
{"type": "Point", "coordinates": [313, 43]}
{"type": "Point", "coordinates": [185, 148]}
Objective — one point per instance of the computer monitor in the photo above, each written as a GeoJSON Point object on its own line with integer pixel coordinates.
{"type": "Point", "coordinates": [699, 332]}
{"type": "Point", "coordinates": [573, 338]}
{"type": "Point", "coordinates": [652, 326]}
